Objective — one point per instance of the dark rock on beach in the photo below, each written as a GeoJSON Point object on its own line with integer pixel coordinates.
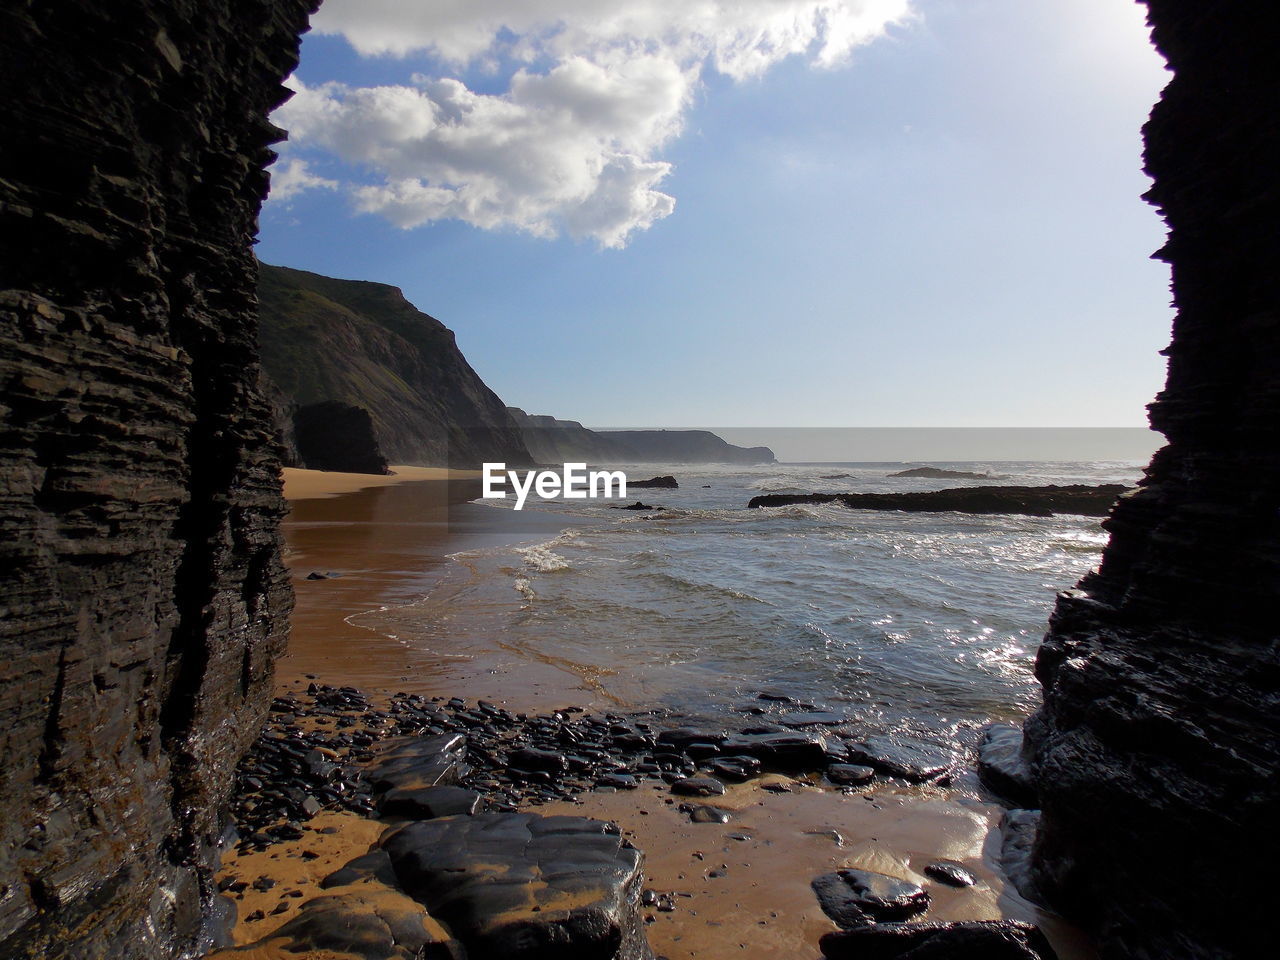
{"type": "Point", "coordinates": [332, 435]}
{"type": "Point", "coordinates": [522, 886]}
{"type": "Point", "coordinates": [951, 873]}
{"type": "Point", "coordinates": [638, 505]}
{"type": "Point", "coordinates": [781, 751]}
{"type": "Point", "coordinates": [854, 898]}
{"type": "Point", "coordinates": [966, 940]}
{"type": "Point", "coordinates": [1045, 501]}
{"type": "Point", "coordinates": [850, 774]}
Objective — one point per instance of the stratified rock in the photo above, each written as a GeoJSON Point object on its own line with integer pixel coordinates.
{"type": "Point", "coordinates": [854, 898]}
{"type": "Point", "coordinates": [663, 483]}
{"type": "Point", "coordinates": [907, 757]}
{"type": "Point", "coordinates": [520, 886]}
{"type": "Point", "coordinates": [1045, 501]}
{"type": "Point", "coordinates": [1156, 750]}
{"type": "Point", "coordinates": [1002, 767]}
{"type": "Point", "coordinates": [968, 940]}
{"type": "Point", "coordinates": [371, 923]}
{"type": "Point", "coordinates": [144, 596]}
{"type": "Point", "coordinates": [332, 435]}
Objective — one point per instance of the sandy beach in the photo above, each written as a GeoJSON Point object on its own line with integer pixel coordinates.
{"type": "Point", "coordinates": [741, 889]}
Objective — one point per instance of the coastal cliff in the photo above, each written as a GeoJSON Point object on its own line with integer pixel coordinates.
{"type": "Point", "coordinates": [364, 345]}
{"type": "Point", "coordinates": [144, 595]}
{"type": "Point", "coordinates": [560, 441]}
{"type": "Point", "coordinates": [1155, 752]}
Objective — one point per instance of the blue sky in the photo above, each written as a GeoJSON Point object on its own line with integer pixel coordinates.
{"type": "Point", "coordinates": [671, 221]}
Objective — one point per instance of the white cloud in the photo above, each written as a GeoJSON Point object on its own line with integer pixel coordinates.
{"type": "Point", "coordinates": [291, 177]}
{"type": "Point", "coordinates": [571, 147]}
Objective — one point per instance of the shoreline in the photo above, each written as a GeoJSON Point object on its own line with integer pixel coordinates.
{"type": "Point", "coordinates": [740, 889]}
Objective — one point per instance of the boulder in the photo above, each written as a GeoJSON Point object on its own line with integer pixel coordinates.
{"type": "Point", "coordinates": [854, 898]}
{"type": "Point", "coordinates": [519, 886]}
{"type": "Point", "coordinates": [663, 483]}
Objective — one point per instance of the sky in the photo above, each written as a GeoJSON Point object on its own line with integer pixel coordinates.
{"type": "Point", "coordinates": [774, 213]}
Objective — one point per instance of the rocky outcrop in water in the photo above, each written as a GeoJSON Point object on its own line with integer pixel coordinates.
{"type": "Point", "coordinates": [937, 473]}
{"type": "Point", "coordinates": [568, 441]}
{"type": "Point", "coordinates": [365, 346]}
{"type": "Point", "coordinates": [1045, 501]}
{"type": "Point", "coordinates": [1156, 750]}
{"type": "Point", "coordinates": [144, 595]}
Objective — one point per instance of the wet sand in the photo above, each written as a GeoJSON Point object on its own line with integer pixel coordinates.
{"type": "Point", "coordinates": [389, 543]}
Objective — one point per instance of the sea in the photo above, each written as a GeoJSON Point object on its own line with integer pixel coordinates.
{"type": "Point", "coordinates": [918, 623]}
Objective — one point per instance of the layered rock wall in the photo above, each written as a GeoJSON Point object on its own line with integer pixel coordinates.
{"type": "Point", "coordinates": [143, 594]}
{"type": "Point", "coordinates": [1157, 747]}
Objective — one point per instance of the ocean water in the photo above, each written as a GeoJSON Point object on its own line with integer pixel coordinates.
{"type": "Point", "coordinates": [924, 623]}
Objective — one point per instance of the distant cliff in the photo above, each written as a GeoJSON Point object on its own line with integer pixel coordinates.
{"type": "Point", "coordinates": [364, 345]}
{"type": "Point", "coordinates": [556, 441]}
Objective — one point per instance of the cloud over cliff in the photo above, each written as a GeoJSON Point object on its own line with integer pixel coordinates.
{"type": "Point", "coordinates": [573, 144]}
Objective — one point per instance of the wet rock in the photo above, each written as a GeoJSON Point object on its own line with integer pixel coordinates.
{"type": "Point", "coordinates": [533, 758]}
{"type": "Point", "coordinates": [618, 781]}
{"type": "Point", "coordinates": [522, 886]}
{"type": "Point", "coordinates": [850, 774]}
{"type": "Point", "coordinates": [735, 769]}
{"type": "Point", "coordinates": [373, 923]}
{"type": "Point", "coordinates": [323, 575]}
{"type": "Point", "coordinates": [698, 787]}
{"type": "Point", "coordinates": [951, 873]}
{"type": "Point", "coordinates": [781, 751]}
{"type": "Point", "coordinates": [1017, 843]}
{"type": "Point", "coordinates": [904, 756]}
{"type": "Point", "coordinates": [638, 505]}
{"type": "Point", "coordinates": [683, 737]}
{"type": "Point", "coordinates": [853, 898]}
{"type": "Point", "coordinates": [420, 762]}
{"type": "Point", "coordinates": [1002, 768]}
{"type": "Point", "coordinates": [705, 814]}
{"type": "Point", "coordinates": [426, 803]}
{"type": "Point", "coordinates": [966, 940]}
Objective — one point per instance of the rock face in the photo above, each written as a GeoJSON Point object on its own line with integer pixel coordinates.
{"type": "Point", "coordinates": [564, 441]}
{"type": "Point", "coordinates": [333, 435]}
{"type": "Point", "coordinates": [144, 595]}
{"type": "Point", "coordinates": [1156, 750]}
{"type": "Point", "coordinates": [364, 345]}
{"type": "Point", "coordinates": [1044, 501]}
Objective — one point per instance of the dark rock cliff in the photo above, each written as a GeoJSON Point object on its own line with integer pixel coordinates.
{"type": "Point", "coordinates": [143, 594]}
{"type": "Point", "coordinates": [560, 441]}
{"type": "Point", "coordinates": [365, 345]}
{"type": "Point", "coordinates": [1156, 750]}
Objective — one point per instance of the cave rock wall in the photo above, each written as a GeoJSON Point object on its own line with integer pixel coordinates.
{"type": "Point", "coordinates": [144, 597]}
{"type": "Point", "coordinates": [1157, 747]}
